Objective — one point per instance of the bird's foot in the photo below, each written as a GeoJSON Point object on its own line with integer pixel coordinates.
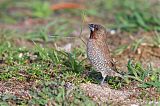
{"type": "Point", "coordinates": [104, 85]}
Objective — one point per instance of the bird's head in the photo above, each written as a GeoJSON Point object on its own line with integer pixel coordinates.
{"type": "Point", "coordinates": [97, 32]}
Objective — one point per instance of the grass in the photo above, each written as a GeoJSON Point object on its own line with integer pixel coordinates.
{"type": "Point", "coordinates": [55, 75]}
{"type": "Point", "coordinates": [23, 58]}
{"type": "Point", "coordinates": [119, 50]}
{"type": "Point", "coordinates": [50, 68]}
{"type": "Point", "coordinates": [50, 92]}
{"type": "Point", "coordinates": [50, 32]}
{"type": "Point", "coordinates": [134, 16]}
{"type": "Point", "coordinates": [135, 45]}
{"type": "Point", "coordinates": [54, 69]}
{"type": "Point", "coordinates": [156, 40]}
{"type": "Point", "coordinates": [35, 9]}
{"type": "Point", "coordinates": [131, 16]}
{"type": "Point", "coordinates": [148, 77]}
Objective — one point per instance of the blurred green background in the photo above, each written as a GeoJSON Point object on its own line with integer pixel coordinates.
{"type": "Point", "coordinates": [43, 57]}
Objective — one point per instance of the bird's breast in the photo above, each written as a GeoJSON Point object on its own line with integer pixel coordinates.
{"type": "Point", "coordinates": [96, 56]}
{"type": "Point", "coordinates": [94, 50]}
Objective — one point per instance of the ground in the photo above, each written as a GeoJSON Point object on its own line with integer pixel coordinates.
{"type": "Point", "coordinates": [43, 57]}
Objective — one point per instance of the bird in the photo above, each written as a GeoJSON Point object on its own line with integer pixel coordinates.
{"type": "Point", "coordinates": [98, 52]}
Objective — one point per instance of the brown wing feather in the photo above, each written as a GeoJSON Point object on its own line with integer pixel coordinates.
{"type": "Point", "coordinates": [112, 65]}
{"type": "Point", "coordinates": [105, 50]}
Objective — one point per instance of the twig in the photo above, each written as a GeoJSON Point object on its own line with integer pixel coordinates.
{"type": "Point", "coordinates": [156, 55]}
{"type": "Point", "coordinates": [80, 34]}
{"type": "Point", "coordinates": [146, 44]}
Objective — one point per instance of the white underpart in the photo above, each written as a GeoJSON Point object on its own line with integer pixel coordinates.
{"type": "Point", "coordinates": [92, 29]}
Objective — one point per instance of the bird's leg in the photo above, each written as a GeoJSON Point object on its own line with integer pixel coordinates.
{"type": "Point", "coordinates": [103, 80]}
{"type": "Point", "coordinates": [104, 76]}
{"type": "Point", "coordinates": [102, 83]}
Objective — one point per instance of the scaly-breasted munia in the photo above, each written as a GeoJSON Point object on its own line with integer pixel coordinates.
{"type": "Point", "coordinates": [98, 52]}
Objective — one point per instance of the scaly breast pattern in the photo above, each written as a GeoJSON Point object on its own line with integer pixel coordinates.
{"type": "Point", "coordinates": [96, 57]}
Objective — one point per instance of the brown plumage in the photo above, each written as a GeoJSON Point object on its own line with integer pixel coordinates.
{"type": "Point", "coordinates": [98, 52]}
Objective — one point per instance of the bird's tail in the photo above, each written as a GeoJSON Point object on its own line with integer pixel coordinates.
{"type": "Point", "coordinates": [122, 76]}
{"type": "Point", "coordinates": [119, 75]}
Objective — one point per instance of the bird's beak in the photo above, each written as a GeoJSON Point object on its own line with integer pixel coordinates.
{"type": "Point", "coordinates": [91, 27]}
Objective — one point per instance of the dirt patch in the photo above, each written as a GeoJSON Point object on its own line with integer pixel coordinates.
{"type": "Point", "coordinates": [17, 88]}
{"type": "Point", "coordinates": [126, 96]}
{"type": "Point", "coordinates": [105, 95]}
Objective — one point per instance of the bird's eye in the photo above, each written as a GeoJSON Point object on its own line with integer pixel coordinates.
{"type": "Point", "coordinates": [96, 27]}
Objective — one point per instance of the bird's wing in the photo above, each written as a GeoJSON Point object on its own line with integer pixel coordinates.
{"type": "Point", "coordinates": [106, 54]}
{"type": "Point", "coordinates": [112, 65]}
